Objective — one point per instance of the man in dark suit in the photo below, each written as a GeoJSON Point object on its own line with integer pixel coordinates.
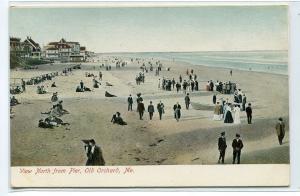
{"type": "Point", "coordinates": [177, 113]}
{"type": "Point", "coordinates": [81, 86]}
{"type": "Point", "coordinates": [94, 154]}
{"type": "Point", "coordinates": [222, 147]}
{"type": "Point", "coordinates": [249, 113]}
{"type": "Point", "coordinates": [214, 99]}
{"type": "Point", "coordinates": [150, 110]}
{"type": "Point", "coordinates": [237, 145]}
{"type": "Point", "coordinates": [130, 102]}
{"type": "Point", "coordinates": [141, 109]}
{"type": "Point", "coordinates": [187, 101]}
{"type": "Point", "coordinates": [160, 109]}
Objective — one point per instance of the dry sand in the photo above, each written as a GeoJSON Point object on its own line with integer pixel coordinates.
{"type": "Point", "coordinates": [192, 140]}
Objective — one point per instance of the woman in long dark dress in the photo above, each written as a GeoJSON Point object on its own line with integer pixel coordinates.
{"type": "Point", "coordinates": [228, 115]}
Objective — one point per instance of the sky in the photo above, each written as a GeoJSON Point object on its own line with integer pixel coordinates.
{"type": "Point", "coordinates": [157, 29]}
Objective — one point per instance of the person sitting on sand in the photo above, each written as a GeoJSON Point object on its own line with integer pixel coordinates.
{"type": "Point", "coordinates": [78, 89]}
{"type": "Point", "coordinates": [95, 83]}
{"type": "Point", "coordinates": [53, 84]}
{"type": "Point", "coordinates": [43, 124]}
{"type": "Point", "coordinates": [54, 97]}
{"type": "Point", "coordinates": [41, 90]}
{"type": "Point", "coordinates": [117, 119]}
{"type": "Point", "coordinates": [14, 101]}
{"type": "Point", "coordinates": [61, 110]}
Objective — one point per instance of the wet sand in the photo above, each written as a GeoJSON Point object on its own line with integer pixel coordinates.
{"type": "Point", "coordinates": [192, 140]}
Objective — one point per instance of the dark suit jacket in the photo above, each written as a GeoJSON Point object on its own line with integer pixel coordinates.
{"type": "Point", "coordinates": [130, 100]}
{"type": "Point", "coordinates": [222, 143]}
{"type": "Point", "coordinates": [249, 110]}
{"type": "Point", "coordinates": [141, 107]}
{"type": "Point", "coordinates": [95, 158]}
{"type": "Point", "coordinates": [237, 145]}
{"type": "Point", "coordinates": [175, 107]}
{"type": "Point", "coordinates": [150, 108]}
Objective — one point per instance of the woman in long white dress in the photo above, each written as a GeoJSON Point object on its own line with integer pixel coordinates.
{"type": "Point", "coordinates": [237, 118]}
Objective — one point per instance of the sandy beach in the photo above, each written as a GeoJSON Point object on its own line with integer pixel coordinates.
{"type": "Point", "coordinates": [192, 140]}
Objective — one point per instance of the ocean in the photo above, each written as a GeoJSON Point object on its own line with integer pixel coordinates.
{"type": "Point", "coordinates": [262, 61]}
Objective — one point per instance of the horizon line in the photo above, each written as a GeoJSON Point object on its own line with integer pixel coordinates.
{"type": "Point", "coordinates": [191, 51]}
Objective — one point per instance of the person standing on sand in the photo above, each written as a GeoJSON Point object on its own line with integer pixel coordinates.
{"type": "Point", "coordinates": [141, 109]}
{"type": "Point", "coordinates": [150, 110]}
{"type": "Point", "coordinates": [237, 145]}
{"type": "Point", "coordinates": [180, 79]}
{"type": "Point", "coordinates": [280, 130]}
{"type": "Point", "coordinates": [81, 86]}
{"type": "Point", "coordinates": [187, 101]}
{"type": "Point", "coordinates": [100, 75]}
{"type": "Point", "coordinates": [214, 98]}
{"type": "Point", "coordinates": [231, 72]}
{"type": "Point", "coordinates": [222, 147]}
{"type": "Point", "coordinates": [159, 83]}
{"type": "Point", "coordinates": [244, 101]}
{"type": "Point", "coordinates": [130, 102]}
{"type": "Point", "coordinates": [173, 83]}
{"type": "Point", "coordinates": [249, 113]}
{"type": "Point", "coordinates": [177, 113]}
{"type": "Point", "coordinates": [237, 118]}
{"type": "Point", "coordinates": [160, 109]}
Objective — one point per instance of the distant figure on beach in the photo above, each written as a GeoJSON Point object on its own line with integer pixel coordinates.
{"type": "Point", "coordinates": [249, 113]}
{"type": "Point", "coordinates": [237, 145]}
{"type": "Point", "coordinates": [177, 113]}
{"type": "Point", "coordinates": [160, 109]}
{"type": "Point", "coordinates": [180, 79]}
{"type": "Point", "coordinates": [54, 97]}
{"type": "Point", "coordinates": [81, 86]}
{"type": "Point", "coordinates": [150, 110]}
{"type": "Point", "coordinates": [159, 83]}
{"type": "Point", "coordinates": [222, 147]}
{"type": "Point", "coordinates": [100, 75]}
{"type": "Point", "coordinates": [187, 101]}
{"type": "Point", "coordinates": [214, 98]}
{"type": "Point", "coordinates": [178, 87]}
{"type": "Point", "coordinates": [141, 109]}
{"type": "Point", "coordinates": [228, 115]}
{"type": "Point", "coordinates": [94, 153]}
{"type": "Point", "coordinates": [237, 119]}
{"type": "Point", "coordinates": [244, 101]}
{"type": "Point", "coordinates": [217, 112]}
{"type": "Point", "coordinates": [130, 102]}
{"type": "Point", "coordinates": [23, 83]}
{"type": "Point", "coordinates": [173, 83]}
{"type": "Point", "coordinates": [53, 84]}
{"type": "Point", "coordinates": [280, 130]}
{"type": "Point", "coordinates": [14, 101]}
{"type": "Point", "coordinates": [230, 72]}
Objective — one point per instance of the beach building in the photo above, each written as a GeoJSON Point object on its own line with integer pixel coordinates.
{"type": "Point", "coordinates": [64, 51]}
{"type": "Point", "coordinates": [26, 49]}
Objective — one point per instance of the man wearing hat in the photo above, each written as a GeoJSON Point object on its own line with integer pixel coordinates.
{"type": "Point", "coordinates": [130, 102]}
{"type": "Point", "coordinates": [151, 110]}
{"type": "Point", "coordinates": [141, 109]}
{"type": "Point", "coordinates": [249, 113]}
{"type": "Point", "coordinates": [280, 130]}
{"type": "Point", "coordinates": [237, 145]}
{"type": "Point", "coordinates": [94, 154]}
{"type": "Point", "coordinates": [222, 147]}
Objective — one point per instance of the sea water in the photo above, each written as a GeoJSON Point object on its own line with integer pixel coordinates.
{"type": "Point", "coordinates": [262, 61]}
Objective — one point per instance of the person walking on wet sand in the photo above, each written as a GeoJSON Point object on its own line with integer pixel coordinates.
{"type": "Point", "coordinates": [222, 147]}
{"type": "Point", "coordinates": [177, 113]}
{"type": "Point", "coordinates": [130, 102]}
{"type": "Point", "coordinates": [141, 109]}
{"type": "Point", "coordinates": [160, 109]}
{"type": "Point", "coordinates": [249, 113]}
{"type": "Point", "coordinates": [237, 145]}
{"type": "Point", "coordinates": [150, 110]}
{"type": "Point", "coordinates": [187, 101]}
{"type": "Point", "coordinates": [280, 130]}
{"type": "Point", "coordinates": [230, 72]}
